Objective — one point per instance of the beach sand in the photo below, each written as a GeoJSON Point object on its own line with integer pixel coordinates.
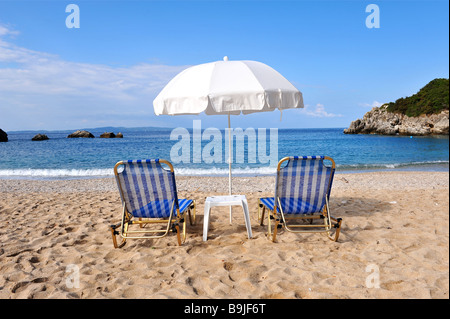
{"type": "Point", "coordinates": [395, 232]}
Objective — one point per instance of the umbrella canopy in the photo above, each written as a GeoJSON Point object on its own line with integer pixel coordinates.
{"type": "Point", "coordinates": [227, 87]}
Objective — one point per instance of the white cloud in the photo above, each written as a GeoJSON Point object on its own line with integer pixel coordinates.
{"type": "Point", "coordinates": [38, 87]}
{"type": "Point", "coordinates": [318, 111]}
{"type": "Point", "coordinates": [6, 30]}
{"type": "Point", "coordinates": [371, 105]}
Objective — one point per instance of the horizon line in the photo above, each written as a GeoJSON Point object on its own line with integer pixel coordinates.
{"type": "Point", "coordinates": [152, 127]}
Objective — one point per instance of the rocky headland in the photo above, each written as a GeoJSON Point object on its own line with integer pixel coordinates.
{"type": "Point", "coordinates": [424, 113]}
{"type": "Point", "coordinates": [380, 121]}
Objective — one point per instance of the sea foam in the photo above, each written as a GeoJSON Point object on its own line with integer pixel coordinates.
{"type": "Point", "coordinates": [213, 171]}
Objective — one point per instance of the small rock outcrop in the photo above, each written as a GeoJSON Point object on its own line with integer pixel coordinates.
{"type": "Point", "coordinates": [108, 135]}
{"type": "Point", "coordinates": [380, 121]}
{"type": "Point", "coordinates": [3, 136]}
{"type": "Point", "coordinates": [40, 137]}
{"type": "Point", "coordinates": [111, 135]}
{"type": "Point", "coordinates": [81, 133]}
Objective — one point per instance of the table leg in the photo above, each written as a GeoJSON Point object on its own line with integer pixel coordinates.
{"type": "Point", "coordinates": [248, 224]}
{"type": "Point", "coordinates": [206, 221]}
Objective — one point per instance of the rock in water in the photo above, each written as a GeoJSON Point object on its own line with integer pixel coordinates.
{"type": "Point", "coordinates": [108, 135]}
{"type": "Point", "coordinates": [40, 137]}
{"type": "Point", "coordinates": [81, 133]}
{"type": "Point", "coordinates": [119, 135]}
{"type": "Point", "coordinates": [3, 136]}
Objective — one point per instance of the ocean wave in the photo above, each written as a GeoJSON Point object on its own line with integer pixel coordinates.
{"type": "Point", "coordinates": [390, 165]}
{"type": "Point", "coordinates": [225, 171]}
{"type": "Point", "coordinates": [52, 173]}
{"type": "Point", "coordinates": [74, 173]}
{"type": "Point", "coordinates": [181, 171]}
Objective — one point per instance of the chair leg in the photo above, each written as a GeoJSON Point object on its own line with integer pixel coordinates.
{"type": "Point", "coordinates": [123, 227]}
{"type": "Point", "coordinates": [338, 229]}
{"type": "Point", "coordinates": [272, 235]}
{"type": "Point", "coordinates": [177, 227]}
{"type": "Point", "coordinates": [183, 238]}
{"type": "Point", "coordinates": [275, 230]}
{"type": "Point", "coordinates": [192, 209]}
{"type": "Point", "coordinates": [262, 214]}
{"type": "Point", "coordinates": [337, 225]}
{"type": "Point", "coordinates": [114, 234]}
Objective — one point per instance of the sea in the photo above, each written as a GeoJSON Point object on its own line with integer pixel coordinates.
{"type": "Point", "coordinates": [60, 157]}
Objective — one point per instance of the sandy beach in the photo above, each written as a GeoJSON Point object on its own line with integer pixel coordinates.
{"type": "Point", "coordinates": [395, 226]}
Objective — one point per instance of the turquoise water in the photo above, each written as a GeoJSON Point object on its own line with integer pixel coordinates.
{"type": "Point", "coordinates": [60, 157]}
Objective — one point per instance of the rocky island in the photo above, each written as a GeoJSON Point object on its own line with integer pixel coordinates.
{"type": "Point", "coordinates": [424, 113]}
{"type": "Point", "coordinates": [40, 137]}
{"type": "Point", "coordinates": [111, 135]}
{"type": "Point", "coordinates": [81, 133]}
{"type": "Point", "coordinates": [3, 136]}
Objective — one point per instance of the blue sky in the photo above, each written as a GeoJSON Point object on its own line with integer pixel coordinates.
{"type": "Point", "coordinates": [108, 71]}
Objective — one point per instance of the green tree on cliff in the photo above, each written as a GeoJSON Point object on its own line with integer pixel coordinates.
{"type": "Point", "coordinates": [432, 98]}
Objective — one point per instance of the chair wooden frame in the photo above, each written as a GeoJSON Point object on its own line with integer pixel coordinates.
{"type": "Point", "coordinates": [281, 219]}
{"type": "Point", "coordinates": [172, 222]}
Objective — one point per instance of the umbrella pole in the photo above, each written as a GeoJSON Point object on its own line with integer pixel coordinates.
{"type": "Point", "coordinates": [229, 160]}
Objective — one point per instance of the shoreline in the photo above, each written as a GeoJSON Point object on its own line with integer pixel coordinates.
{"type": "Point", "coordinates": [395, 222]}
{"type": "Point", "coordinates": [68, 174]}
{"type": "Point", "coordinates": [250, 184]}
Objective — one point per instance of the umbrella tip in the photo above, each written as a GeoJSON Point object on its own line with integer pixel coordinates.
{"type": "Point", "coordinates": [225, 58]}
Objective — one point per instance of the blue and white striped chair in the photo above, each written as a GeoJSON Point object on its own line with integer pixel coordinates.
{"type": "Point", "coordinates": [149, 196]}
{"type": "Point", "coordinates": [302, 189]}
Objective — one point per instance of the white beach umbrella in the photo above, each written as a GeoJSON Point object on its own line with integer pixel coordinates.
{"type": "Point", "coordinates": [229, 88]}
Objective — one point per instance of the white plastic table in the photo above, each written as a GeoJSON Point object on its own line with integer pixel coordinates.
{"type": "Point", "coordinates": [231, 200]}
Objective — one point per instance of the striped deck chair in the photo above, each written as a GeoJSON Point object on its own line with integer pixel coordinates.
{"type": "Point", "coordinates": [302, 192]}
{"type": "Point", "coordinates": [149, 196]}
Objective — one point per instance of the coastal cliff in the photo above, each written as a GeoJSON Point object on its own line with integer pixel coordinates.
{"type": "Point", "coordinates": [380, 121]}
{"type": "Point", "coordinates": [424, 113]}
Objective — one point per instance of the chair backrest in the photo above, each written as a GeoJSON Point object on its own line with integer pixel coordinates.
{"type": "Point", "coordinates": [147, 189]}
{"type": "Point", "coordinates": [304, 184]}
